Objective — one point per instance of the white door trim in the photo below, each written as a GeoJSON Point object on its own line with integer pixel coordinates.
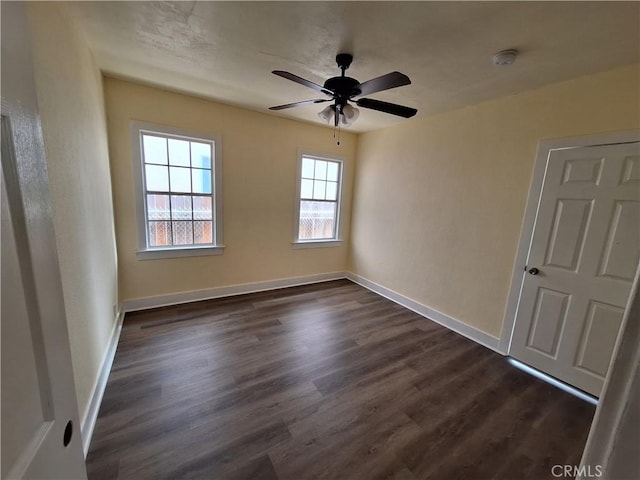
{"type": "Point", "coordinates": [608, 444]}
{"type": "Point", "coordinates": [531, 210]}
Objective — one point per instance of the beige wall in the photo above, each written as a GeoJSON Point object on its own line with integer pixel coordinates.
{"type": "Point", "coordinates": [439, 201]}
{"type": "Point", "coordinates": [259, 165]}
{"type": "Point", "coordinates": [72, 113]}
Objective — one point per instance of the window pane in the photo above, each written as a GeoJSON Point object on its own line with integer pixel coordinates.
{"type": "Point", "coordinates": [180, 207]}
{"type": "Point", "coordinates": [158, 207]}
{"type": "Point", "coordinates": [202, 208]}
{"type": "Point", "coordinates": [182, 233]}
{"type": "Point", "coordinates": [332, 171]}
{"type": "Point", "coordinates": [306, 189]}
{"type": "Point", "coordinates": [179, 187]}
{"type": "Point", "coordinates": [317, 220]}
{"type": "Point", "coordinates": [157, 178]}
{"type": "Point", "coordinates": [203, 232]}
{"type": "Point", "coordinates": [154, 149]}
{"type": "Point", "coordinates": [321, 170]}
{"type": "Point", "coordinates": [201, 180]}
{"type": "Point", "coordinates": [159, 234]}
{"type": "Point", "coordinates": [200, 155]}
{"type": "Point", "coordinates": [332, 190]}
{"type": "Point", "coordinates": [178, 152]}
{"type": "Point", "coordinates": [318, 190]}
{"type": "Point", "coordinates": [180, 179]}
{"type": "Point", "coordinates": [307, 167]}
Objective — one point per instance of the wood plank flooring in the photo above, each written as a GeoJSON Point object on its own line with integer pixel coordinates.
{"type": "Point", "coordinates": [327, 381]}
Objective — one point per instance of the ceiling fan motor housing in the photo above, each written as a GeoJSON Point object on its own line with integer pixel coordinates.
{"type": "Point", "coordinates": [344, 87]}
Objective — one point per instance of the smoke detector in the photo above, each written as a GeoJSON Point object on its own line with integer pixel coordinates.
{"type": "Point", "coordinates": [505, 57]}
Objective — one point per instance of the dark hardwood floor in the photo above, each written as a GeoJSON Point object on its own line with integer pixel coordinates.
{"type": "Point", "coordinates": [323, 381]}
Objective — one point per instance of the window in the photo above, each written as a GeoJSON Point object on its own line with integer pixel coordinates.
{"type": "Point", "coordinates": [318, 202]}
{"type": "Point", "coordinates": [179, 192]}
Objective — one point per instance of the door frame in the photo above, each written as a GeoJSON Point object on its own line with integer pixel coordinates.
{"type": "Point", "coordinates": [545, 147]}
{"type": "Point", "coordinates": [607, 444]}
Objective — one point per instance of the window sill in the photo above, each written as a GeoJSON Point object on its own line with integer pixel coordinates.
{"type": "Point", "coordinates": [154, 254]}
{"type": "Point", "coordinates": [317, 243]}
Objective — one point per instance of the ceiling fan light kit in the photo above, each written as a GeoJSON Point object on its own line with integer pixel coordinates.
{"type": "Point", "coordinates": [349, 115]}
{"type": "Point", "coordinates": [342, 89]}
{"type": "Point", "coordinates": [346, 117]}
{"type": "Point", "coordinates": [327, 113]}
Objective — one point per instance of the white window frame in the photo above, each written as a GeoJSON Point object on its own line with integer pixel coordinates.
{"type": "Point", "coordinates": [145, 252]}
{"type": "Point", "coordinates": [336, 241]}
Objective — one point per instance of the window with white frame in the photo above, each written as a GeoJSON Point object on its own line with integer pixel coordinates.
{"type": "Point", "coordinates": [179, 192]}
{"type": "Point", "coordinates": [318, 206]}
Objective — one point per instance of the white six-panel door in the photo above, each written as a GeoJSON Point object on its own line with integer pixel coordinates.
{"type": "Point", "coordinates": [40, 423]}
{"type": "Point", "coordinates": [582, 260]}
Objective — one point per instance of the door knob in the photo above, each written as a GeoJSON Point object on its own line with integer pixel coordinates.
{"type": "Point", "coordinates": [534, 271]}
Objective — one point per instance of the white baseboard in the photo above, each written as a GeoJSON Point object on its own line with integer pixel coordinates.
{"type": "Point", "coordinates": [451, 323]}
{"type": "Point", "coordinates": [91, 414]}
{"type": "Point", "coordinates": [219, 292]}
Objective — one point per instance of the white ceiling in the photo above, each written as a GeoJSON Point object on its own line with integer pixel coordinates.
{"type": "Point", "coordinates": [226, 50]}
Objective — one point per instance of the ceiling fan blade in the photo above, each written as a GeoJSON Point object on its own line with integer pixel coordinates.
{"type": "Point", "coordinates": [299, 104]}
{"type": "Point", "coordinates": [385, 82]}
{"type": "Point", "coordinates": [302, 81]}
{"type": "Point", "coordinates": [386, 107]}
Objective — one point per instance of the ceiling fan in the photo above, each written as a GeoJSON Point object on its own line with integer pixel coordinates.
{"type": "Point", "coordinates": [342, 90]}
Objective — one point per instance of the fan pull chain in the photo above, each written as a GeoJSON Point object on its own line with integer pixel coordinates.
{"type": "Point", "coordinates": [334, 134]}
